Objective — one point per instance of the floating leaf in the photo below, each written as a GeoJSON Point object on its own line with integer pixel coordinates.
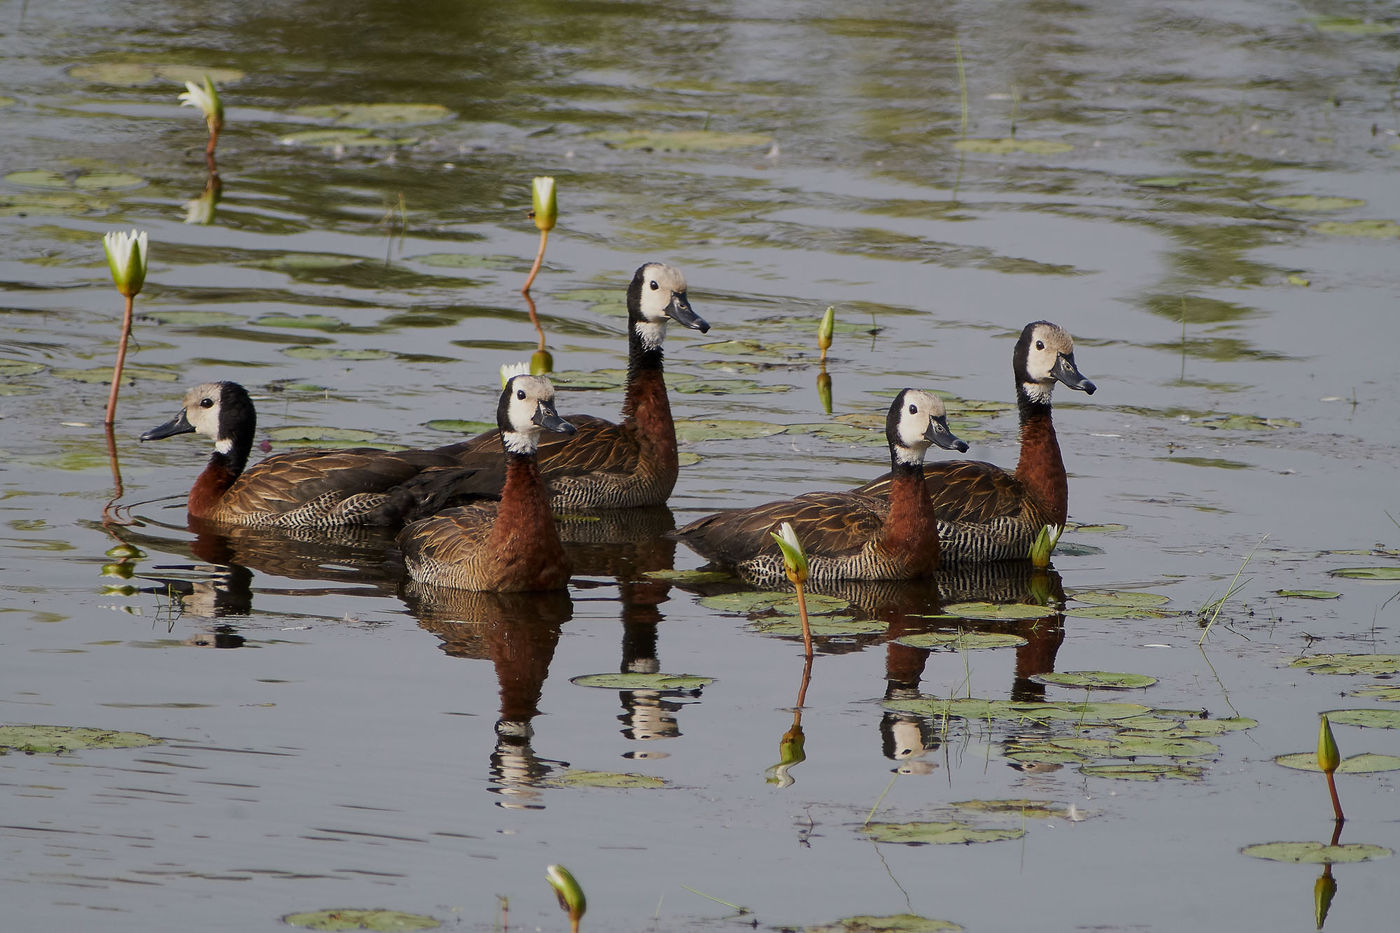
{"type": "Point", "coordinates": [1351, 26]}
{"type": "Point", "coordinates": [1228, 422]}
{"type": "Point", "coordinates": [998, 611]}
{"type": "Point", "coordinates": [294, 434]}
{"type": "Point", "coordinates": [689, 576]}
{"type": "Point", "coordinates": [1371, 229]}
{"type": "Point", "coordinates": [1315, 853]}
{"type": "Point", "coordinates": [330, 138]}
{"type": "Point", "coordinates": [1365, 718]}
{"type": "Point", "coordinates": [1028, 809]}
{"type": "Point", "coordinates": [88, 181]}
{"type": "Point", "coordinates": [1094, 713]}
{"type": "Point", "coordinates": [727, 387]}
{"type": "Point", "coordinates": [1375, 665]}
{"type": "Point", "coordinates": [681, 140]}
{"type": "Point", "coordinates": [1102, 528]}
{"type": "Point", "coordinates": [330, 353]}
{"type": "Point", "coordinates": [936, 833]}
{"type": "Point", "coordinates": [1205, 726]}
{"type": "Point", "coordinates": [193, 318]}
{"type": "Point", "coordinates": [1365, 763]}
{"type": "Point", "coordinates": [825, 626]}
{"type": "Point", "coordinates": [16, 368]}
{"type": "Point", "coordinates": [1166, 181]}
{"type": "Point", "coordinates": [1116, 612]}
{"type": "Point", "coordinates": [1389, 693]}
{"type": "Point", "coordinates": [1142, 771]}
{"type": "Point", "coordinates": [1368, 573]}
{"type": "Point", "coordinates": [384, 114]}
{"type": "Point", "coordinates": [1311, 202]}
{"type": "Point", "coordinates": [1160, 746]}
{"type": "Point", "coordinates": [301, 321]}
{"type": "Point", "coordinates": [643, 681]}
{"type": "Point", "coordinates": [103, 374]}
{"type": "Point", "coordinates": [53, 740]}
{"type": "Point", "coordinates": [1096, 680]}
{"type": "Point", "coordinates": [693, 430]}
{"type": "Point", "coordinates": [576, 777]}
{"type": "Point", "coordinates": [131, 74]}
{"type": "Point", "coordinates": [468, 261]}
{"type": "Point", "coordinates": [961, 641]}
{"type": "Point", "coordinates": [896, 923]}
{"type": "Point", "coordinates": [1118, 598]}
{"type": "Point", "coordinates": [755, 601]}
{"type": "Point", "coordinates": [458, 426]}
{"type": "Point", "coordinates": [1009, 144]}
{"type": "Point", "coordinates": [1309, 594]}
{"type": "Point", "coordinates": [354, 918]}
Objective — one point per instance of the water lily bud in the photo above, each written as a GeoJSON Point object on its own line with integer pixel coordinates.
{"type": "Point", "coordinates": [824, 390]}
{"type": "Point", "coordinates": [569, 891]}
{"type": "Point", "coordinates": [546, 207]}
{"type": "Point", "coordinates": [541, 363]}
{"type": "Point", "coordinates": [126, 257]}
{"type": "Point", "coordinates": [122, 571]}
{"type": "Point", "coordinates": [1044, 545]}
{"type": "Point", "coordinates": [124, 550]}
{"type": "Point", "coordinates": [825, 328]}
{"type": "Point", "coordinates": [206, 100]}
{"type": "Point", "coordinates": [1323, 890]}
{"type": "Point", "coordinates": [794, 557]}
{"type": "Point", "coordinates": [1328, 757]}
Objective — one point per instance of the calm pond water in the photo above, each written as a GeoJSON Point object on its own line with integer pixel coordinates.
{"type": "Point", "coordinates": [1203, 194]}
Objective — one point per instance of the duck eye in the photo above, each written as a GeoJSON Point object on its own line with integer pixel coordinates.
{"type": "Point", "coordinates": [913, 409]}
{"type": "Point", "coordinates": [654, 286]}
{"type": "Point", "coordinates": [206, 403]}
{"type": "Point", "coordinates": [1040, 344]}
{"type": "Point", "coordinates": [520, 394]}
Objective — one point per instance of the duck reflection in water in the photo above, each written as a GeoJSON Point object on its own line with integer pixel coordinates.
{"type": "Point", "coordinates": [517, 632]}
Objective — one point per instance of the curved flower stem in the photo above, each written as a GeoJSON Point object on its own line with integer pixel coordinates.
{"type": "Point", "coordinates": [1336, 802]}
{"type": "Point", "coordinates": [121, 361]}
{"type": "Point", "coordinates": [806, 626]}
{"type": "Point", "coordinates": [209, 153]}
{"type": "Point", "coordinates": [530, 302]}
{"type": "Point", "coordinates": [535, 269]}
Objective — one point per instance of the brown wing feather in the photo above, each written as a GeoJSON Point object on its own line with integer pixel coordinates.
{"type": "Point", "coordinates": [971, 491]}
{"type": "Point", "coordinates": [598, 446]}
{"type": "Point", "coordinates": [286, 481]}
{"type": "Point", "coordinates": [827, 523]}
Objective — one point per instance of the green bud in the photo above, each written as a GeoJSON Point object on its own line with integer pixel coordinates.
{"type": "Point", "coordinates": [126, 257]}
{"type": "Point", "coordinates": [1323, 890]}
{"type": "Point", "coordinates": [206, 100]}
{"type": "Point", "coordinates": [121, 571]}
{"type": "Point", "coordinates": [824, 390]}
{"type": "Point", "coordinates": [569, 891]}
{"type": "Point", "coordinates": [1044, 545]}
{"type": "Point", "coordinates": [546, 206]}
{"type": "Point", "coordinates": [825, 328]}
{"type": "Point", "coordinates": [541, 363]}
{"type": "Point", "coordinates": [1328, 757]}
{"type": "Point", "coordinates": [794, 557]}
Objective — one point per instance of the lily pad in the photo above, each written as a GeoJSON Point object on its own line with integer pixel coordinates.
{"type": "Point", "coordinates": [1315, 853]}
{"type": "Point", "coordinates": [330, 353]}
{"type": "Point", "coordinates": [103, 374]}
{"type": "Point", "coordinates": [1365, 718]}
{"type": "Point", "coordinates": [642, 681]}
{"type": "Point", "coordinates": [823, 626]}
{"type": "Point", "coordinates": [294, 434]}
{"type": "Point", "coordinates": [1309, 594]}
{"type": "Point", "coordinates": [1311, 202]}
{"type": "Point", "coordinates": [1229, 422]}
{"type": "Point", "coordinates": [193, 318]}
{"type": "Point", "coordinates": [301, 321]}
{"type": "Point", "coordinates": [354, 918]}
{"type": "Point", "coordinates": [1119, 598]}
{"type": "Point", "coordinates": [681, 140]}
{"type": "Point", "coordinates": [936, 833]}
{"type": "Point", "coordinates": [1195, 726]}
{"type": "Point", "coordinates": [1096, 680]}
{"type": "Point", "coordinates": [1010, 144]}
{"type": "Point", "coordinates": [1389, 693]}
{"type": "Point", "coordinates": [689, 576]}
{"type": "Point", "coordinates": [1351, 26]}
{"type": "Point", "coordinates": [1116, 612]}
{"type": "Point", "coordinates": [458, 426]}
{"type": "Point", "coordinates": [1101, 528]}
{"type": "Point", "coordinates": [727, 387]}
{"type": "Point", "coordinates": [1144, 771]}
{"type": "Point", "coordinates": [53, 740]}
{"type": "Point", "coordinates": [896, 923]}
{"type": "Point", "coordinates": [1166, 181]}
{"type": "Point", "coordinates": [1370, 229]}
{"type": "Point", "coordinates": [755, 601]}
{"type": "Point", "coordinates": [17, 368]}
{"type": "Point", "coordinates": [1387, 574]}
{"type": "Point", "coordinates": [961, 641]}
{"type": "Point", "coordinates": [1365, 763]}
{"type": "Point", "coordinates": [132, 74]}
{"type": "Point", "coordinates": [330, 138]}
{"type": "Point", "coordinates": [998, 611]}
{"type": "Point", "coordinates": [382, 114]}
{"type": "Point", "coordinates": [1159, 746]}
{"type": "Point", "coordinates": [468, 261]}
{"type": "Point", "coordinates": [693, 430]}
{"type": "Point", "coordinates": [87, 181]}
{"type": "Point", "coordinates": [576, 777]}
{"type": "Point", "coordinates": [1375, 665]}
{"type": "Point", "coordinates": [1028, 809]}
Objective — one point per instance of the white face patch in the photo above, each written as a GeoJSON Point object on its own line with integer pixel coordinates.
{"type": "Point", "coordinates": [651, 334]}
{"type": "Point", "coordinates": [913, 425]}
{"type": "Point", "coordinates": [668, 282]}
{"type": "Point", "coordinates": [524, 435]}
{"type": "Point", "coordinates": [1047, 343]}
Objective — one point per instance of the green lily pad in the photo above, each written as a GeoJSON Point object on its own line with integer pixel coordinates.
{"type": "Point", "coordinates": [7, 101]}
{"type": "Point", "coordinates": [642, 681]}
{"type": "Point", "coordinates": [896, 923]}
{"type": "Point", "coordinates": [354, 918]}
{"type": "Point", "coordinates": [132, 74]}
{"type": "Point", "coordinates": [1119, 598]}
{"type": "Point", "coordinates": [330, 353]}
{"type": "Point", "coordinates": [1009, 144]}
{"type": "Point", "coordinates": [1370, 229]}
{"type": "Point", "coordinates": [193, 318]}
{"type": "Point", "coordinates": [1028, 809]}
{"type": "Point", "coordinates": [1309, 594]}
{"type": "Point", "coordinates": [1310, 202]}
{"type": "Point", "coordinates": [301, 321]}
{"type": "Point", "coordinates": [468, 261]}
{"type": "Point", "coordinates": [384, 114]}
{"type": "Point", "coordinates": [681, 140]}
{"type": "Point", "coordinates": [1389, 693]}
{"type": "Point", "coordinates": [1096, 680]}
{"type": "Point", "coordinates": [295, 434]}
{"type": "Point", "coordinates": [1387, 574]}
{"type": "Point", "coordinates": [87, 181]}
{"type": "Point", "coordinates": [1375, 665]}
{"type": "Point", "coordinates": [970, 708]}
{"type": "Point", "coordinates": [596, 379]}
{"type": "Point", "coordinates": [330, 138]}
{"type": "Point", "coordinates": [689, 576]}
{"type": "Point", "coordinates": [1195, 726]}
{"type": "Point", "coordinates": [823, 626]}
{"type": "Point", "coordinates": [1365, 718]}
{"type": "Point", "coordinates": [17, 368]}
{"type": "Point", "coordinates": [1101, 712]}
{"type": "Point", "coordinates": [727, 387]}
{"type": "Point", "coordinates": [936, 833]}
{"type": "Point", "coordinates": [1101, 528]}
{"type": "Point", "coordinates": [1144, 771]}
{"type": "Point", "coordinates": [53, 740]}
{"type": "Point", "coordinates": [841, 433]}
{"type": "Point", "coordinates": [1160, 746]}
{"type": "Point", "coordinates": [102, 375]}
{"type": "Point", "coordinates": [458, 426]}
{"type": "Point", "coordinates": [1117, 612]}
{"type": "Point", "coordinates": [1365, 763]}
{"type": "Point", "coordinates": [1315, 853]}
{"type": "Point", "coordinates": [1228, 422]}
{"type": "Point", "coordinates": [961, 641]}
{"type": "Point", "coordinates": [998, 611]}
{"type": "Point", "coordinates": [1351, 26]}
{"type": "Point", "coordinates": [1166, 181]}
{"type": "Point", "coordinates": [576, 777]}
{"type": "Point", "coordinates": [755, 601]}
{"type": "Point", "coordinates": [693, 430]}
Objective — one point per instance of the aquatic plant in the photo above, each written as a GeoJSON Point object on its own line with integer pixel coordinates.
{"type": "Point", "coordinates": [206, 100]}
{"type": "Point", "coordinates": [570, 893]}
{"type": "Point", "coordinates": [126, 257]}
{"type": "Point", "coordinates": [1044, 545]}
{"type": "Point", "coordinates": [1328, 758]}
{"type": "Point", "coordinates": [545, 212]}
{"type": "Point", "coordinates": [795, 564]}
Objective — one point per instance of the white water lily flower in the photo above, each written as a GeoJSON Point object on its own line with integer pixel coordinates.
{"type": "Point", "coordinates": [126, 257]}
{"type": "Point", "coordinates": [205, 98]}
{"type": "Point", "coordinates": [794, 557]}
{"type": "Point", "coordinates": [513, 369]}
{"type": "Point", "coordinates": [1044, 545]}
{"type": "Point", "coordinates": [546, 205]}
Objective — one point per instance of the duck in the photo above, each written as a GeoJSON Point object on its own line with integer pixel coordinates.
{"type": "Point", "coordinates": [506, 545]}
{"type": "Point", "coordinates": [849, 535]}
{"type": "Point", "coordinates": [604, 465]}
{"type": "Point", "coordinates": [297, 489]}
{"type": "Point", "coordinates": [986, 513]}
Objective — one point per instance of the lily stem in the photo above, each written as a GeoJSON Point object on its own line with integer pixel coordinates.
{"type": "Point", "coordinates": [121, 361]}
{"type": "Point", "coordinates": [539, 259]}
{"type": "Point", "coordinates": [1336, 802]}
{"type": "Point", "coordinates": [806, 626]}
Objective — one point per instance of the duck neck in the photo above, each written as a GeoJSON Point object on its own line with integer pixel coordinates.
{"type": "Point", "coordinates": [225, 466]}
{"type": "Point", "coordinates": [646, 408]}
{"type": "Point", "coordinates": [1041, 469]}
{"type": "Point", "coordinates": [912, 525]}
{"type": "Point", "coordinates": [524, 508]}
